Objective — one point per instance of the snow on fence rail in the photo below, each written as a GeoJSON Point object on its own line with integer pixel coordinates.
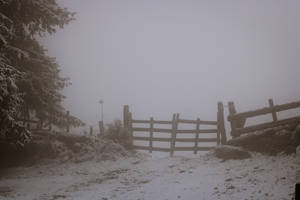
{"type": "Point", "coordinates": [219, 130]}
{"type": "Point", "coordinates": [237, 120]}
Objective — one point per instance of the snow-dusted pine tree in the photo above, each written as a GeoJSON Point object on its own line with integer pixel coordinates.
{"type": "Point", "coordinates": [29, 79]}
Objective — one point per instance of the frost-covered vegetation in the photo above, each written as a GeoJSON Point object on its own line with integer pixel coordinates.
{"type": "Point", "coordinates": [30, 81]}
{"type": "Point", "coordinates": [53, 147]}
{"type": "Point", "coordinates": [117, 133]}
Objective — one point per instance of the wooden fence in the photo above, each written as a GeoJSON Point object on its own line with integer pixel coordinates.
{"type": "Point", "coordinates": [173, 131]}
{"type": "Point", "coordinates": [237, 120]}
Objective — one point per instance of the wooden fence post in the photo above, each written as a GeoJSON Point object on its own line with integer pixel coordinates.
{"type": "Point", "coordinates": [151, 134]}
{"type": "Point", "coordinates": [129, 125]}
{"type": "Point", "coordinates": [232, 111]}
{"type": "Point", "coordinates": [125, 116]}
{"type": "Point", "coordinates": [221, 124]}
{"type": "Point", "coordinates": [197, 136]}
{"type": "Point", "coordinates": [101, 128]}
{"type": "Point", "coordinates": [274, 115]}
{"type": "Point", "coordinates": [173, 137]}
{"type": "Point", "coordinates": [238, 123]}
{"type": "Point", "coordinates": [218, 125]}
{"type": "Point", "coordinates": [68, 125]}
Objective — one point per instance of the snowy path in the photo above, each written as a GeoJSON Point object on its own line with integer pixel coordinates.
{"type": "Point", "coordinates": [261, 177]}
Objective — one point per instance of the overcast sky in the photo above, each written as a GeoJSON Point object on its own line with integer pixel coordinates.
{"type": "Point", "coordinates": [162, 57]}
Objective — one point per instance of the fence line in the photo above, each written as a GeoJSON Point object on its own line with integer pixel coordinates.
{"type": "Point", "coordinates": [237, 120]}
{"type": "Point", "coordinates": [173, 131]}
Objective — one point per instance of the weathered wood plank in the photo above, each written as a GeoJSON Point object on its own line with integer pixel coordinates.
{"type": "Point", "coordinates": [208, 123]}
{"type": "Point", "coordinates": [267, 125]}
{"type": "Point", "coordinates": [153, 139]}
{"type": "Point", "coordinates": [177, 139]}
{"type": "Point", "coordinates": [192, 148]}
{"type": "Point", "coordinates": [200, 131]}
{"type": "Point", "coordinates": [196, 140]}
{"type": "Point", "coordinates": [263, 111]}
{"type": "Point", "coordinates": [161, 130]}
{"type": "Point", "coordinates": [161, 139]}
{"type": "Point", "coordinates": [164, 130]}
{"type": "Point", "coordinates": [187, 131]}
{"type": "Point", "coordinates": [137, 121]}
{"type": "Point", "coordinates": [208, 131]}
{"type": "Point", "coordinates": [162, 122]}
{"type": "Point", "coordinates": [153, 148]}
{"type": "Point", "coordinates": [187, 121]}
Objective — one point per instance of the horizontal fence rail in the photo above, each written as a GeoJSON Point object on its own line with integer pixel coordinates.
{"type": "Point", "coordinates": [186, 121]}
{"type": "Point", "coordinates": [267, 125]}
{"type": "Point", "coordinates": [152, 148]}
{"type": "Point", "coordinates": [148, 121]}
{"type": "Point", "coordinates": [177, 139]}
{"type": "Point", "coordinates": [165, 130]}
{"type": "Point", "coordinates": [237, 120]}
{"type": "Point", "coordinates": [264, 111]}
{"type": "Point", "coordinates": [175, 149]}
{"type": "Point", "coordinates": [173, 131]}
{"type": "Point", "coordinates": [199, 131]}
{"type": "Point", "coordinates": [160, 130]}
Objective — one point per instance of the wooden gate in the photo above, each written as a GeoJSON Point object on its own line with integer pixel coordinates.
{"type": "Point", "coordinates": [217, 133]}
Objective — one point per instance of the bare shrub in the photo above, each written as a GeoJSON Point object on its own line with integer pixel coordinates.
{"type": "Point", "coordinates": [117, 133]}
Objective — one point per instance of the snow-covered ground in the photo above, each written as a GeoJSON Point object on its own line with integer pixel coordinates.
{"type": "Point", "coordinates": [145, 177]}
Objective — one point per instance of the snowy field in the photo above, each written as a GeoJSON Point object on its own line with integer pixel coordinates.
{"type": "Point", "coordinates": [145, 177]}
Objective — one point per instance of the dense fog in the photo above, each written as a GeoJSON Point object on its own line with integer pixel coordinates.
{"type": "Point", "coordinates": [165, 57]}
